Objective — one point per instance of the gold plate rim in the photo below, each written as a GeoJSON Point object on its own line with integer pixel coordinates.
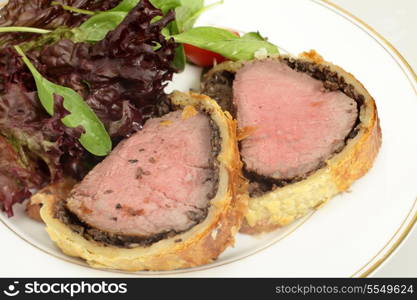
{"type": "Point", "coordinates": [410, 220]}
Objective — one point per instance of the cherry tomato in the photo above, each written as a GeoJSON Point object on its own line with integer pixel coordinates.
{"type": "Point", "coordinates": [202, 57]}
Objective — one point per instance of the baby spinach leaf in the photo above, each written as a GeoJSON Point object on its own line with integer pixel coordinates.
{"type": "Point", "coordinates": [179, 60]}
{"type": "Point", "coordinates": [254, 36]}
{"type": "Point", "coordinates": [167, 5]}
{"type": "Point", "coordinates": [225, 43]}
{"type": "Point", "coordinates": [125, 5]}
{"type": "Point", "coordinates": [95, 138]}
{"type": "Point", "coordinates": [96, 27]}
{"type": "Point", "coordinates": [187, 13]}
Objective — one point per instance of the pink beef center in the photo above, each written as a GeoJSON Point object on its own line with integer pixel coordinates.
{"type": "Point", "coordinates": [156, 181]}
{"type": "Point", "coordinates": [298, 124]}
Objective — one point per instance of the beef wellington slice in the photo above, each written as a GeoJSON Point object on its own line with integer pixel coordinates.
{"type": "Point", "coordinates": [169, 197]}
{"type": "Point", "coordinates": [307, 130]}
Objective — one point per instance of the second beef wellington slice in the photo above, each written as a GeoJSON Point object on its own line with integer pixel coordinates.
{"type": "Point", "coordinates": [308, 130]}
{"type": "Point", "coordinates": [169, 197]}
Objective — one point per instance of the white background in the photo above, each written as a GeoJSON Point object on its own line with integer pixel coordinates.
{"type": "Point", "coordinates": [396, 21]}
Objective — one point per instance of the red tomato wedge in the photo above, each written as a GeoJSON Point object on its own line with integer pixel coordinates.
{"type": "Point", "coordinates": [202, 57]}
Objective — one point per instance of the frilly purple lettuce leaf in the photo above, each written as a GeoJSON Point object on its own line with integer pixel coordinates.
{"type": "Point", "coordinates": [42, 14]}
{"type": "Point", "coordinates": [122, 78]}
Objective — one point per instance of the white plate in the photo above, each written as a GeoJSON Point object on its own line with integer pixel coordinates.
{"type": "Point", "coordinates": [354, 232]}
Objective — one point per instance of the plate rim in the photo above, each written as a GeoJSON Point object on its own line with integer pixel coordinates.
{"type": "Point", "coordinates": [406, 227]}
{"type": "Point", "coordinates": [409, 222]}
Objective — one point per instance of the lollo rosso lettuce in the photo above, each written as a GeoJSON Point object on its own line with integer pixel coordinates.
{"type": "Point", "coordinates": [16, 177]}
{"type": "Point", "coordinates": [122, 78]}
{"type": "Point", "coordinates": [35, 148]}
{"type": "Point", "coordinates": [42, 14]}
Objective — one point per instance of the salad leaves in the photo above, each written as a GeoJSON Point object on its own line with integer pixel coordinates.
{"type": "Point", "coordinates": [16, 178]}
{"type": "Point", "coordinates": [127, 5]}
{"type": "Point", "coordinates": [121, 78]}
{"type": "Point", "coordinates": [226, 43]}
{"type": "Point", "coordinates": [96, 27]}
{"type": "Point", "coordinates": [186, 12]}
{"type": "Point", "coordinates": [189, 11]}
{"type": "Point", "coordinates": [42, 14]}
{"type": "Point", "coordinates": [93, 72]}
{"type": "Point", "coordinates": [95, 138]}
